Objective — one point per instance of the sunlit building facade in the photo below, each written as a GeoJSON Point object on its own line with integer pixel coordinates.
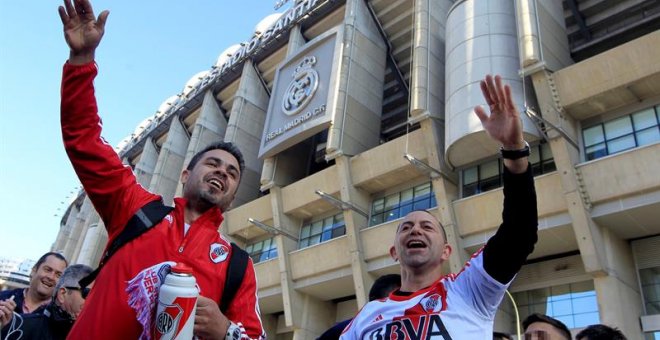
{"type": "Point", "coordinates": [353, 113]}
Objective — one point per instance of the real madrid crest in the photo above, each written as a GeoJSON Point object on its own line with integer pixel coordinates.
{"type": "Point", "coordinates": [218, 252]}
{"type": "Point", "coordinates": [302, 88]}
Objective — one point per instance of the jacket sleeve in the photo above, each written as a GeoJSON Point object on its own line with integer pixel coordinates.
{"type": "Point", "coordinates": [110, 185]}
{"type": "Point", "coordinates": [244, 311]}
{"type": "Point", "coordinates": [507, 250]}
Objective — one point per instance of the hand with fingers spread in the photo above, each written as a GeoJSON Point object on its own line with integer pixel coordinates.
{"type": "Point", "coordinates": [82, 30]}
{"type": "Point", "coordinates": [503, 124]}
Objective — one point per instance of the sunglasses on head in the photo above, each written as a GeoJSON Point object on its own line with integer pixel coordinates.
{"type": "Point", "coordinates": [84, 291]}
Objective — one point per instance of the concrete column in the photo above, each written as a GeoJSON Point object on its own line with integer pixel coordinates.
{"type": "Point", "coordinates": [77, 229]}
{"type": "Point", "coordinates": [95, 241]}
{"type": "Point", "coordinates": [619, 298]}
{"type": "Point", "coordinates": [362, 280]}
{"type": "Point", "coordinates": [209, 127]}
{"type": "Point", "coordinates": [271, 173]}
{"type": "Point", "coordinates": [65, 229]}
{"type": "Point", "coordinates": [428, 58]}
{"type": "Point", "coordinates": [246, 124]}
{"type": "Point", "coordinates": [356, 117]}
{"type": "Point", "coordinates": [170, 161]}
{"type": "Point", "coordinates": [587, 232]}
{"type": "Point", "coordinates": [315, 317]}
{"type": "Point", "coordinates": [144, 169]}
{"type": "Point", "coordinates": [92, 220]}
{"type": "Point", "coordinates": [291, 299]}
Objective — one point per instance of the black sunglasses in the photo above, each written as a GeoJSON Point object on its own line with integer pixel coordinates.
{"type": "Point", "coordinates": [84, 291]}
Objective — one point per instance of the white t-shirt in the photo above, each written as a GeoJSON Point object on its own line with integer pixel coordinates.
{"type": "Point", "coordinates": [458, 306]}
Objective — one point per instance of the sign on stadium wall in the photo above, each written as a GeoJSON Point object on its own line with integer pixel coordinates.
{"type": "Point", "coordinates": [301, 103]}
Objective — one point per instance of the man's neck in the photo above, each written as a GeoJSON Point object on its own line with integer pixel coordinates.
{"type": "Point", "coordinates": [33, 300]}
{"type": "Point", "coordinates": [414, 279]}
{"type": "Point", "coordinates": [193, 210]}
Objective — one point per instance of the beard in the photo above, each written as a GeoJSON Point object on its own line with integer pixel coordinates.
{"type": "Point", "coordinates": [208, 198]}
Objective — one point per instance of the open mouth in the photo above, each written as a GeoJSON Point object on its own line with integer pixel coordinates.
{"type": "Point", "coordinates": [416, 244]}
{"type": "Point", "coordinates": [216, 183]}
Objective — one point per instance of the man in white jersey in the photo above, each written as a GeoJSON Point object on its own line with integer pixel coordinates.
{"type": "Point", "coordinates": [430, 305]}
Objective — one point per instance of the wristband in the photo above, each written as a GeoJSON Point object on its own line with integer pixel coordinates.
{"type": "Point", "coordinates": [515, 154]}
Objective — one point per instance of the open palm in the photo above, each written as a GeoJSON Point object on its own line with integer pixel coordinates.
{"type": "Point", "coordinates": [503, 124]}
{"type": "Point", "coordinates": [82, 31]}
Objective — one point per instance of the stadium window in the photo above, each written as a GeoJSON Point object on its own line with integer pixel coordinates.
{"type": "Point", "coordinates": [322, 230]}
{"type": "Point", "coordinates": [399, 204]}
{"type": "Point", "coordinates": [574, 304]}
{"type": "Point", "coordinates": [650, 282]}
{"type": "Point", "coordinates": [262, 250]}
{"type": "Point", "coordinates": [623, 133]}
{"type": "Point", "coordinates": [488, 176]}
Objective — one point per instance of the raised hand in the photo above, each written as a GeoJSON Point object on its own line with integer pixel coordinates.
{"type": "Point", "coordinates": [503, 124]}
{"type": "Point", "coordinates": [82, 30]}
{"type": "Point", "coordinates": [6, 311]}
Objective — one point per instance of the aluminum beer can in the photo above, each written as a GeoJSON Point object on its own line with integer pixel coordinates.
{"type": "Point", "coordinates": [177, 301]}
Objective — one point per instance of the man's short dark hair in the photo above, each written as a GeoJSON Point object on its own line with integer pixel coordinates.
{"type": "Point", "coordinates": [226, 146]}
{"type": "Point", "coordinates": [600, 332]}
{"type": "Point", "coordinates": [384, 285]}
{"type": "Point", "coordinates": [537, 317]}
{"type": "Point", "coordinates": [44, 257]}
{"type": "Point", "coordinates": [501, 336]}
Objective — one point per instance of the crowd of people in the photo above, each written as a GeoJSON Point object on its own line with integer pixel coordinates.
{"type": "Point", "coordinates": [422, 300]}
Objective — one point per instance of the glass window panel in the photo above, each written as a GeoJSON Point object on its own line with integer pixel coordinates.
{"type": "Point", "coordinates": [304, 242]}
{"type": "Point", "coordinates": [585, 305]}
{"type": "Point", "coordinates": [338, 231]}
{"type": "Point", "coordinates": [648, 136]}
{"type": "Point", "coordinates": [378, 205]}
{"type": "Point", "coordinates": [562, 307]}
{"type": "Point", "coordinates": [273, 253]}
{"type": "Point", "coordinates": [392, 215]}
{"type": "Point", "coordinates": [650, 275]}
{"type": "Point", "coordinates": [593, 135]}
{"type": "Point", "coordinates": [644, 119]}
{"type": "Point", "coordinates": [248, 249]}
{"type": "Point", "coordinates": [422, 204]}
{"type": "Point", "coordinates": [263, 257]}
{"type": "Point", "coordinates": [407, 195]}
{"type": "Point", "coordinates": [255, 258]}
{"type": "Point", "coordinates": [470, 175]}
{"type": "Point", "coordinates": [305, 231]}
{"type": "Point", "coordinates": [586, 319]}
{"type": "Point", "coordinates": [339, 218]}
{"type": "Point", "coordinates": [489, 169]}
{"type": "Point", "coordinates": [469, 190]}
{"type": "Point", "coordinates": [618, 127]}
{"type": "Point", "coordinates": [539, 295]}
{"type": "Point", "coordinates": [549, 166]}
{"type": "Point", "coordinates": [434, 203]}
{"type": "Point", "coordinates": [620, 144]}
{"type": "Point", "coordinates": [267, 243]}
{"type": "Point", "coordinates": [326, 235]}
{"type": "Point", "coordinates": [542, 308]}
{"type": "Point", "coordinates": [316, 228]}
{"type": "Point", "coordinates": [376, 219]}
{"type": "Point", "coordinates": [405, 209]}
{"type": "Point", "coordinates": [257, 246]}
{"type": "Point", "coordinates": [391, 201]}
{"type": "Point", "coordinates": [596, 151]}
{"type": "Point", "coordinates": [566, 319]}
{"type": "Point", "coordinates": [422, 189]}
{"type": "Point", "coordinates": [490, 183]}
{"type": "Point", "coordinates": [314, 240]}
{"type": "Point", "coordinates": [327, 227]}
{"type": "Point", "coordinates": [328, 221]}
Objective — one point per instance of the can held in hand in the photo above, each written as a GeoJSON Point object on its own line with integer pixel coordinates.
{"type": "Point", "coordinates": [177, 301]}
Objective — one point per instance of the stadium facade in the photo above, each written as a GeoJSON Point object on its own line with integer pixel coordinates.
{"type": "Point", "coordinates": [351, 113]}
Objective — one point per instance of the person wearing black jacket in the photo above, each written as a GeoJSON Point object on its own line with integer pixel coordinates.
{"type": "Point", "coordinates": [461, 305]}
{"type": "Point", "coordinates": [55, 320]}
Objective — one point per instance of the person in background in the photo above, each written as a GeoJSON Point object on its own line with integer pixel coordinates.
{"type": "Point", "coordinates": [600, 332]}
{"type": "Point", "coordinates": [542, 327]}
{"type": "Point", "coordinates": [43, 277]}
{"type": "Point", "coordinates": [54, 321]}
{"type": "Point", "coordinates": [381, 289]}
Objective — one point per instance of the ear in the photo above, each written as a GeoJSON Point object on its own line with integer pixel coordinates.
{"type": "Point", "coordinates": [446, 252]}
{"type": "Point", "coordinates": [184, 176]}
{"type": "Point", "coordinates": [393, 254]}
{"type": "Point", "coordinates": [60, 295]}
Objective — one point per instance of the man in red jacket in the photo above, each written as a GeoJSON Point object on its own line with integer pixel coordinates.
{"type": "Point", "coordinates": [189, 234]}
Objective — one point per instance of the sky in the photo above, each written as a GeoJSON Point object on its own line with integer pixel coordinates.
{"type": "Point", "coordinates": [149, 51]}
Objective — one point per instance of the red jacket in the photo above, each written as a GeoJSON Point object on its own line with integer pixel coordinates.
{"type": "Point", "coordinates": [116, 195]}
